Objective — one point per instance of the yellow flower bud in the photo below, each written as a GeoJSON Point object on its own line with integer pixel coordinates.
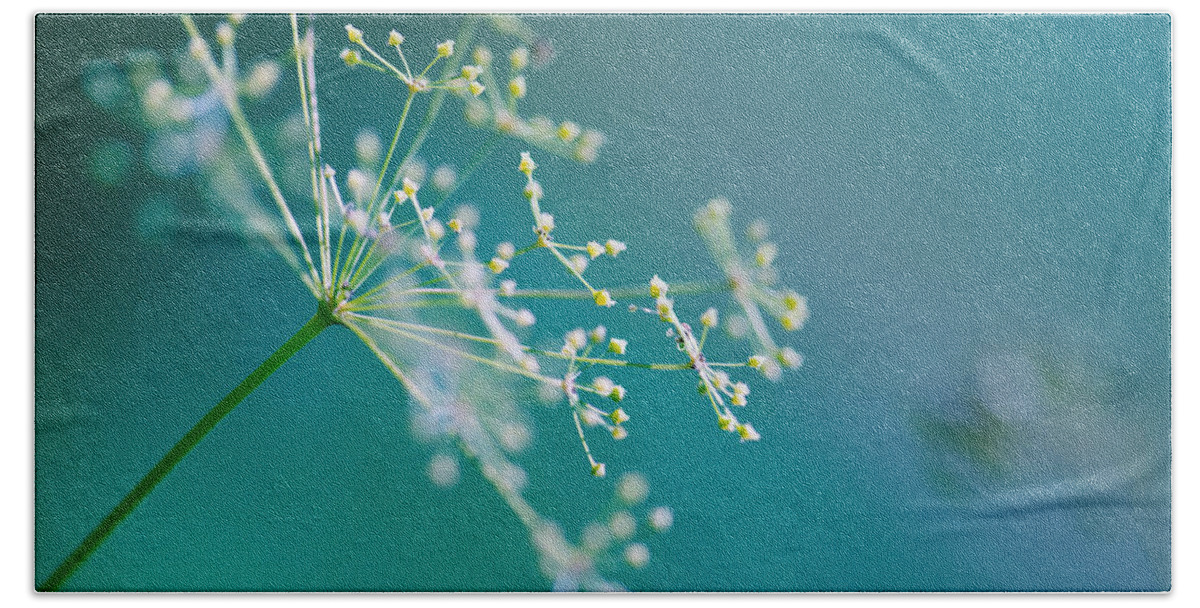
{"type": "Point", "coordinates": [603, 298]}
{"type": "Point", "coordinates": [517, 87]}
{"type": "Point", "coordinates": [658, 287]}
{"type": "Point", "coordinates": [567, 131]}
{"type": "Point", "coordinates": [519, 58]}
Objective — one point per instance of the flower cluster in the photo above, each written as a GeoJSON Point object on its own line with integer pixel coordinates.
{"type": "Point", "coordinates": [753, 286]}
{"type": "Point", "coordinates": [404, 272]}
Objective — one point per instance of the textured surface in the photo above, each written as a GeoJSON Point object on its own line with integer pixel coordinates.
{"type": "Point", "coordinates": [977, 208]}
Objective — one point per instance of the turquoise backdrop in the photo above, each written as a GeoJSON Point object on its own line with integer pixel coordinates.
{"type": "Point", "coordinates": [977, 207]}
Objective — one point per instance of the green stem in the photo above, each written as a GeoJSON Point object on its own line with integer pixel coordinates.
{"type": "Point", "coordinates": [315, 325]}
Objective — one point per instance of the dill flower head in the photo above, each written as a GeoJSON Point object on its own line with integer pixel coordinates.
{"type": "Point", "coordinates": [385, 256]}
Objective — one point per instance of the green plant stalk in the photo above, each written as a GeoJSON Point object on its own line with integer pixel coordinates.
{"type": "Point", "coordinates": [318, 323]}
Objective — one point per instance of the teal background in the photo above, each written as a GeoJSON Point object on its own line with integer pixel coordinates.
{"type": "Point", "coordinates": [951, 192]}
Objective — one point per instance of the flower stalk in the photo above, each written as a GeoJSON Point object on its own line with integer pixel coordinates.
{"type": "Point", "coordinates": [319, 322]}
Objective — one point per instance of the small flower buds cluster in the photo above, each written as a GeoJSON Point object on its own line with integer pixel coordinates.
{"type": "Point", "coordinates": [614, 535]}
{"type": "Point", "coordinates": [753, 283]}
{"type": "Point", "coordinates": [577, 264]}
{"type": "Point", "coordinates": [564, 139]}
{"type": "Point", "coordinates": [415, 84]}
{"type": "Point", "coordinates": [714, 384]}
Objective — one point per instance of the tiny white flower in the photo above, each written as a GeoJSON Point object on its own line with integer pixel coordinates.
{"type": "Point", "coordinates": [506, 250]}
{"type": "Point", "coordinates": [594, 249]}
{"type": "Point", "coordinates": [747, 433]}
{"type": "Point", "coordinates": [482, 56]}
{"type": "Point", "coordinates": [766, 254]}
{"type": "Point", "coordinates": [530, 364]}
{"type": "Point", "coordinates": [517, 87]}
{"type": "Point", "coordinates": [598, 334]}
{"type": "Point", "coordinates": [466, 241]}
{"type": "Point", "coordinates": [665, 308]}
{"type": "Point", "coordinates": [632, 488]}
{"type": "Point", "coordinates": [576, 338]}
{"type": "Point", "coordinates": [444, 178]}
{"type": "Point", "coordinates": [568, 131]}
{"type": "Point", "coordinates": [436, 229]}
{"type": "Point", "coordinates": [519, 58]}
{"type": "Point", "coordinates": [498, 265]}
{"type": "Point", "coordinates": [757, 230]}
{"type": "Point", "coordinates": [726, 422]}
{"type": "Point", "coordinates": [410, 187]}
{"type": "Point", "coordinates": [526, 165]}
{"type": "Point", "coordinates": [525, 318]}
{"type": "Point", "coordinates": [617, 394]}
{"type": "Point", "coordinates": [658, 287]}
{"type": "Point", "coordinates": [618, 345]}
{"type": "Point", "coordinates": [661, 519]}
{"type": "Point", "coordinates": [789, 357]}
{"type": "Point", "coordinates": [591, 418]}
{"type": "Point", "coordinates": [603, 298]}
{"type": "Point", "coordinates": [533, 190]}
{"type": "Point", "coordinates": [225, 34]}
{"type": "Point", "coordinates": [637, 555]}
{"type": "Point", "coordinates": [622, 524]}
{"type": "Point", "coordinates": [443, 470]}
{"type": "Point", "coordinates": [618, 416]}
{"type": "Point", "coordinates": [603, 385]}
{"type": "Point", "coordinates": [579, 262]}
